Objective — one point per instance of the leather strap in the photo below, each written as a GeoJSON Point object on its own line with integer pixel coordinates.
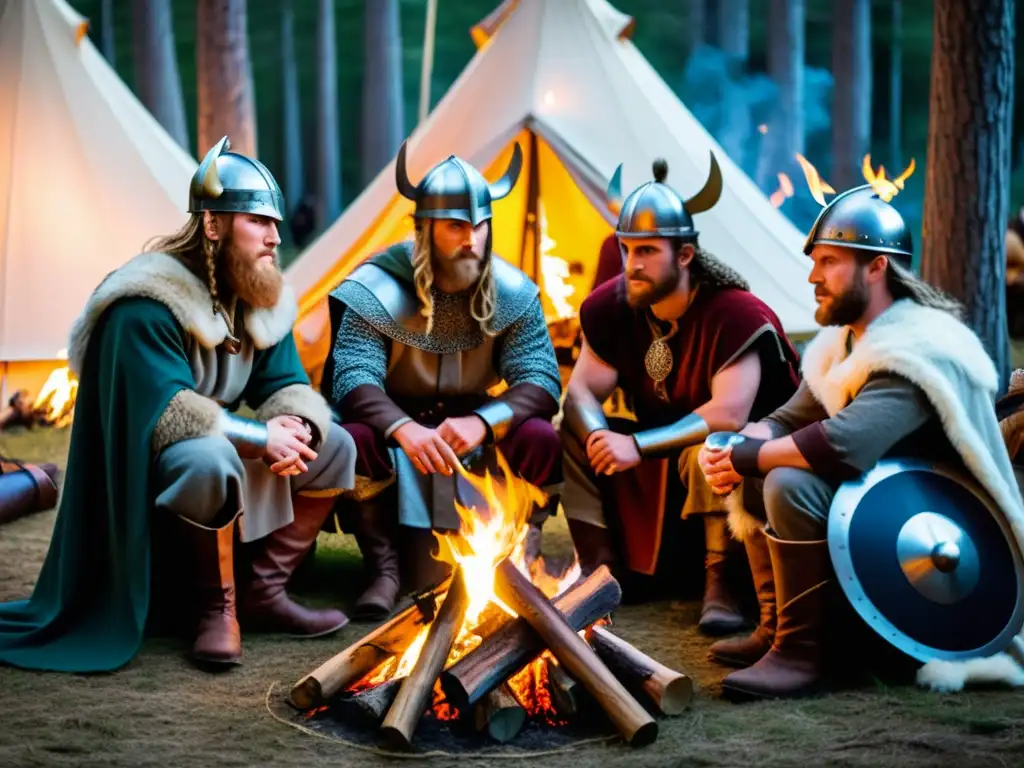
{"type": "Point", "coordinates": [46, 488]}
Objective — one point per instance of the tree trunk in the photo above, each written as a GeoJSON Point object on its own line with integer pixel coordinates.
{"type": "Point", "coordinates": [225, 100]}
{"type": "Point", "coordinates": [383, 117]}
{"type": "Point", "coordinates": [785, 135]}
{"type": "Point", "coordinates": [107, 31]}
{"type": "Point", "coordinates": [328, 137]}
{"type": "Point", "coordinates": [896, 88]}
{"type": "Point", "coordinates": [733, 36]}
{"type": "Point", "coordinates": [967, 182]}
{"type": "Point", "coordinates": [851, 94]}
{"type": "Point", "coordinates": [697, 22]}
{"type": "Point", "coordinates": [157, 82]}
{"type": "Point", "coordinates": [294, 181]}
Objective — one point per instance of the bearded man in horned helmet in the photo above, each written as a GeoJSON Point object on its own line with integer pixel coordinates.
{"type": "Point", "coordinates": [422, 332]}
{"type": "Point", "coordinates": [694, 352]}
{"type": "Point", "coordinates": [167, 348]}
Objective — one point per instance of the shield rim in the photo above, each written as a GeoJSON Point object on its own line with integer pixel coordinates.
{"type": "Point", "coordinates": [846, 499]}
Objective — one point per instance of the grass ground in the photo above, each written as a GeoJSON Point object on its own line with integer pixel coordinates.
{"type": "Point", "coordinates": [160, 711]}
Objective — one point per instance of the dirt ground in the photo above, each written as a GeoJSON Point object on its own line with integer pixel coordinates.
{"type": "Point", "coordinates": [160, 711]}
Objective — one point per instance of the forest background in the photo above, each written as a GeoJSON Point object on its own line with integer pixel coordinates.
{"type": "Point", "coordinates": [711, 53]}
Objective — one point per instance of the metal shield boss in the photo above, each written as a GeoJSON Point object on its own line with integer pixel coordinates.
{"type": "Point", "coordinates": [928, 560]}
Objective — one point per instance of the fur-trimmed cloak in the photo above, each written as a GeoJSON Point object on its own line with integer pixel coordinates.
{"type": "Point", "coordinates": [91, 601]}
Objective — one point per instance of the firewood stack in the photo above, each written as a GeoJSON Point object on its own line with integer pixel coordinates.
{"type": "Point", "coordinates": [562, 641]}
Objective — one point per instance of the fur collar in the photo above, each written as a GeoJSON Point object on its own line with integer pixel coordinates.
{"type": "Point", "coordinates": [897, 341]}
{"type": "Point", "coordinates": [165, 279]}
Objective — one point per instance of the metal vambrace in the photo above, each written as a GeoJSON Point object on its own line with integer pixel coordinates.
{"type": "Point", "coordinates": [663, 441]}
{"type": "Point", "coordinates": [583, 419]}
{"type": "Point", "coordinates": [249, 437]}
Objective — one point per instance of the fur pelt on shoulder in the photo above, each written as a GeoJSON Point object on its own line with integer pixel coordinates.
{"type": "Point", "coordinates": [167, 280]}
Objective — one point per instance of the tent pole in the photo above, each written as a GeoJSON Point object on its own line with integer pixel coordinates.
{"type": "Point", "coordinates": [531, 224]}
{"type": "Point", "coordinates": [428, 59]}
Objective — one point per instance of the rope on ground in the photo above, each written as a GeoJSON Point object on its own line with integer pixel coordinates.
{"type": "Point", "coordinates": [432, 753]}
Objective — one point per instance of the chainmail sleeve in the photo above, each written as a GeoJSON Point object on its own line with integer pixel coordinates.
{"type": "Point", "coordinates": [360, 356]}
{"type": "Point", "coordinates": [528, 356]}
{"type": "Point", "coordinates": [529, 367]}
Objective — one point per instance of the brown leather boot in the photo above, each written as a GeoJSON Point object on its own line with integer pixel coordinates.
{"type": "Point", "coordinates": [266, 606]}
{"type": "Point", "coordinates": [593, 546]}
{"type": "Point", "coordinates": [376, 536]}
{"type": "Point", "coordinates": [792, 667]}
{"type": "Point", "coordinates": [719, 613]}
{"type": "Point", "coordinates": [218, 640]}
{"type": "Point", "coordinates": [744, 651]}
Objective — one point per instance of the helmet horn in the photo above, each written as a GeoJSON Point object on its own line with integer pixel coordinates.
{"type": "Point", "coordinates": [710, 193]}
{"type": "Point", "coordinates": [401, 177]}
{"type": "Point", "coordinates": [206, 182]}
{"type": "Point", "coordinates": [613, 196]}
{"type": "Point", "coordinates": [503, 186]}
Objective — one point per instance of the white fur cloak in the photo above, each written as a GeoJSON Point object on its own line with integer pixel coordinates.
{"type": "Point", "coordinates": [947, 361]}
{"type": "Point", "coordinates": [165, 279]}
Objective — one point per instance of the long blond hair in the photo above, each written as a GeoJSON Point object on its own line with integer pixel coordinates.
{"type": "Point", "coordinates": [484, 299]}
{"type": "Point", "coordinates": [194, 249]}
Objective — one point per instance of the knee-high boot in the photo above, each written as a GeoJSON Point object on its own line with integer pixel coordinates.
{"type": "Point", "coordinates": [376, 533]}
{"type": "Point", "coordinates": [218, 640]}
{"type": "Point", "coordinates": [744, 651]}
{"type": "Point", "coordinates": [792, 667]}
{"type": "Point", "coordinates": [719, 613]}
{"type": "Point", "coordinates": [266, 605]}
{"type": "Point", "coordinates": [593, 546]}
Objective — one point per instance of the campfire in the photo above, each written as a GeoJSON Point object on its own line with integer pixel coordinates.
{"type": "Point", "coordinates": [55, 404]}
{"type": "Point", "coordinates": [497, 644]}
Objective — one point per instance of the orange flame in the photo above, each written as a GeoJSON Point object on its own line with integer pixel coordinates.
{"type": "Point", "coordinates": [784, 191]}
{"type": "Point", "coordinates": [818, 186]}
{"type": "Point", "coordinates": [885, 188]}
{"type": "Point", "coordinates": [56, 400]}
{"type": "Point", "coordinates": [485, 538]}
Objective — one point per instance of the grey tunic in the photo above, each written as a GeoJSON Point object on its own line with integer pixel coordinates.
{"type": "Point", "coordinates": [889, 416]}
{"type": "Point", "coordinates": [203, 478]}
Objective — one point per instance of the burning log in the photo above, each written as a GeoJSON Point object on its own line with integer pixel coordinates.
{"type": "Point", "coordinates": [669, 689]}
{"type": "Point", "coordinates": [635, 724]}
{"type": "Point", "coordinates": [362, 657]}
{"type": "Point", "coordinates": [516, 644]}
{"type": "Point", "coordinates": [566, 693]}
{"type": "Point", "coordinates": [415, 692]}
{"type": "Point", "coordinates": [500, 714]}
{"type": "Point", "coordinates": [374, 702]}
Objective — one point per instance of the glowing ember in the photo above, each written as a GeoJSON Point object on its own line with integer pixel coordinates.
{"type": "Point", "coordinates": [784, 192]}
{"type": "Point", "coordinates": [486, 537]}
{"type": "Point", "coordinates": [815, 183]}
{"type": "Point", "coordinates": [55, 403]}
{"type": "Point", "coordinates": [531, 687]}
{"type": "Point", "coordinates": [885, 188]}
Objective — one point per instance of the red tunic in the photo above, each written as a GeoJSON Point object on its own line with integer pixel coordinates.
{"type": "Point", "coordinates": [719, 327]}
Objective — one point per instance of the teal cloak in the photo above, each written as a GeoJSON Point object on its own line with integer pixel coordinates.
{"type": "Point", "coordinates": [91, 601]}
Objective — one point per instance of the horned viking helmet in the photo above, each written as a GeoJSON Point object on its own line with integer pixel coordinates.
{"type": "Point", "coordinates": [454, 189]}
{"type": "Point", "coordinates": [228, 182]}
{"type": "Point", "coordinates": [859, 218]}
{"type": "Point", "coordinates": [654, 209]}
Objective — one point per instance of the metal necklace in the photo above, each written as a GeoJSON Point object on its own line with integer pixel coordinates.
{"type": "Point", "coordinates": [659, 360]}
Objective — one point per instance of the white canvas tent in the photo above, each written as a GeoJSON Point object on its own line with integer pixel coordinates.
{"type": "Point", "coordinates": [562, 78]}
{"type": "Point", "coordinates": [87, 175]}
